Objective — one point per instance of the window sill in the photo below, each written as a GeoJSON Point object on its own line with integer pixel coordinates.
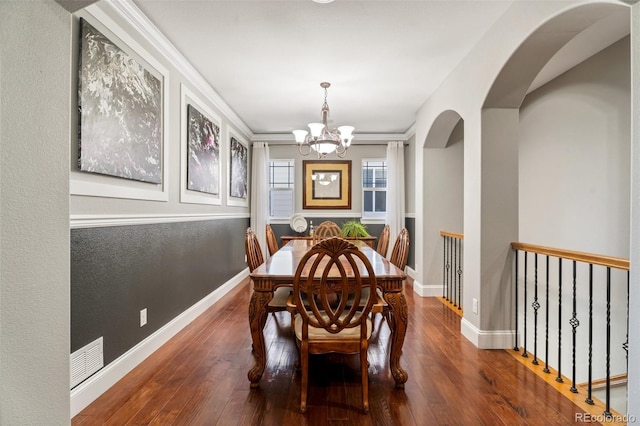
{"type": "Point", "coordinates": [372, 220]}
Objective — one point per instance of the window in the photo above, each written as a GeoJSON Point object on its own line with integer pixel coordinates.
{"type": "Point", "coordinates": [374, 188]}
{"type": "Point", "coordinates": [281, 180]}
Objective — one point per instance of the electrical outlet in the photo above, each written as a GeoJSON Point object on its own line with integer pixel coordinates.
{"type": "Point", "coordinates": [475, 306]}
{"type": "Point", "coordinates": [143, 317]}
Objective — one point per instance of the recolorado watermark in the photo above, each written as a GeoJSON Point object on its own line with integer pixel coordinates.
{"type": "Point", "coordinates": [602, 418]}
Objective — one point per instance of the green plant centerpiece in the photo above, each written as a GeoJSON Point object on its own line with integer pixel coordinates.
{"type": "Point", "coordinates": [354, 229]}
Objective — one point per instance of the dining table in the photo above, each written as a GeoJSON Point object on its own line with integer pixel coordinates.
{"type": "Point", "coordinates": [279, 270]}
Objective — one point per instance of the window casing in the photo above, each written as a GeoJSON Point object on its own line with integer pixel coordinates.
{"type": "Point", "coordinates": [374, 188]}
{"type": "Point", "coordinates": [281, 195]}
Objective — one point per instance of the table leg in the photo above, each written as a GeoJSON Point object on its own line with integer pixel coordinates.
{"type": "Point", "coordinates": [399, 316]}
{"type": "Point", "coordinates": [257, 318]}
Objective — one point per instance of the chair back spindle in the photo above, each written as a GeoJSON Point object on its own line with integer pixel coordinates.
{"type": "Point", "coordinates": [400, 251]}
{"type": "Point", "coordinates": [253, 250]}
{"type": "Point", "coordinates": [383, 242]}
{"type": "Point", "coordinates": [272, 242]}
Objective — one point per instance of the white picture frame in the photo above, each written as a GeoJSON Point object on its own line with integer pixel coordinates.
{"type": "Point", "coordinates": [238, 185]}
{"type": "Point", "coordinates": [188, 97]}
{"type": "Point", "coordinates": [96, 185]}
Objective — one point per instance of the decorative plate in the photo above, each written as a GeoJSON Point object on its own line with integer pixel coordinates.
{"type": "Point", "coordinates": [298, 223]}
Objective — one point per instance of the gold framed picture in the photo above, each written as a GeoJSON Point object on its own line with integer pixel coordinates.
{"type": "Point", "coordinates": [326, 184]}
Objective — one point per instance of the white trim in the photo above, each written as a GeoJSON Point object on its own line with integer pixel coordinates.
{"type": "Point", "coordinates": [89, 390]}
{"type": "Point", "coordinates": [411, 272]}
{"type": "Point", "coordinates": [410, 215]}
{"type": "Point", "coordinates": [186, 195]}
{"type": "Point", "coordinates": [367, 220]}
{"type": "Point", "coordinates": [97, 221]}
{"type": "Point", "coordinates": [83, 183]}
{"type": "Point", "coordinates": [279, 221]}
{"type": "Point", "coordinates": [492, 339]}
{"type": "Point", "coordinates": [129, 12]}
{"type": "Point", "coordinates": [234, 201]}
{"type": "Point", "coordinates": [425, 290]}
{"type": "Point", "coordinates": [383, 138]}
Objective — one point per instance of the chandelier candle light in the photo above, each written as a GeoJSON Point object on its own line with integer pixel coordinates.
{"type": "Point", "coordinates": [321, 139]}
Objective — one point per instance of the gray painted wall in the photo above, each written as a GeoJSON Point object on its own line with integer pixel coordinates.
{"type": "Point", "coordinates": [574, 157]}
{"type": "Point", "coordinates": [34, 215]}
{"type": "Point", "coordinates": [117, 271]}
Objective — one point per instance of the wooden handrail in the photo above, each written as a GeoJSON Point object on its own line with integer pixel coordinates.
{"type": "Point", "coordinates": [596, 259]}
{"type": "Point", "coordinates": [451, 234]}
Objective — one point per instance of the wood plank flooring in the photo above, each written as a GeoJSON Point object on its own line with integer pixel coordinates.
{"type": "Point", "coordinates": [200, 378]}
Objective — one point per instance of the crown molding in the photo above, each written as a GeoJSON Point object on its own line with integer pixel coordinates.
{"type": "Point", "coordinates": [130, 13]}
{"type": "Point", "coordinates": [284, 138]}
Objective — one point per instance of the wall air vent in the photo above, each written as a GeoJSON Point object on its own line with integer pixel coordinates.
{"type": "Point", "coordinates": [86, 361]}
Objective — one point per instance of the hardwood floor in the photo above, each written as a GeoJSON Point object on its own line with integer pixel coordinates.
{"type": "Point", "coordinates": [200, 377]}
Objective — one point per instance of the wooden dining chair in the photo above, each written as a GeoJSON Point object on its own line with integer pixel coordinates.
{"type": "Point", "coordinates": [327, 229]}
{"type": "Point", "coordinates": [326, 323]}
{"type": "Point", "coordinates": [400, 251]}
{"type": "Point", "coordinates": [399, 255]}
{"type": "Point", "coordinates": [255, 259]}
{"type": "Point", "coordinates": [383, 242]}
{"type": "Point", "coordinates": [272, 242]}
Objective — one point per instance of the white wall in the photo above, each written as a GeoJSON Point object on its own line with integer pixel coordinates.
{"type": "Point", "coordinates": [574, 157]}
{"type": "Point", "coordinates": [34, 218]}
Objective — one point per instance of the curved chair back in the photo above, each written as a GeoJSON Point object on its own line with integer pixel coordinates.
{"type": "Point", "coordinates": [333, 267]}
{"type": "Point", "coordinates": [272, 242]}
{"type": "Point", "coordinates": [253, 250]}
{"type": "Point", "coordinates": [383, 242]}
{"type": "Point", "coordinates": [325, 285]}
{"type": "Point", "coordinates": [400, 250]}
{"type": "Point", "coordinates": [327, 229]}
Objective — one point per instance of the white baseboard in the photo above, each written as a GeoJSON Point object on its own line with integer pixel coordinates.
{"type": "Point", "coordinates": [89, 390]}
{"type": "Point", "coordinates": [427, 290]}
{"type": "Point", "coordinates": [410, 271]}
{"type": "Point", "coordinates": [492, 339]}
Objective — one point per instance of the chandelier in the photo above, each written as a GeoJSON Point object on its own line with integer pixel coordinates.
{"type": "Point", "coordinates": [320, 139]}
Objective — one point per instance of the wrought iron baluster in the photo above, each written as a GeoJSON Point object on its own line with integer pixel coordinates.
{"type": "Point", "coordinates": [449, 270]}
{"type": "Point", "coordinates": [460, 275]}
{"type": "Point", "coordinates": [574, 324]}
{"type": "Point", "coordinates": [607, 411]}
{"type": "Point", "coordinates": [453, 268]}
{"type": "Point", "coordinates": [535, 305]}
{"type": "Point", "coordinates": [559, 377]}
{"type": "Point", "coordinates": [546, 327]}
{"type": "Point", "coordinates": [515, 338]}
{"type": "Point", "coordinates": [524, 310]}
{"type": "Point", "coordinates": [589, 399]}
{"type": "Point", "coordinates": [625, 345]}
{"type": "Point", "coordinates": [444, 265]}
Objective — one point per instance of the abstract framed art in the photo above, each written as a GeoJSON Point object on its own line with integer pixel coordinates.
{"type": "Point", "coordinates": [326, 184]}
{"type": "Point", "coordinates": [201, 151]}
{"type": "Point", "coordinates": [120, 106]}
{"type": "Point", "coordinates": [238, 170]}
{"type": "Point", "coordinates": [122, 102]}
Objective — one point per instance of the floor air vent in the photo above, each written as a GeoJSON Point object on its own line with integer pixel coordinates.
{"type": "Point", "coordinates": [86, 361]}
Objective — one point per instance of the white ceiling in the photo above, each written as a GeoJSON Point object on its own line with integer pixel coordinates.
{"type": "Point", "coordinates": [384, 58]}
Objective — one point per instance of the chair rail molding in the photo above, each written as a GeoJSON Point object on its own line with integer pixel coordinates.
{"type": "Point", "coordinates": [99, 220]}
